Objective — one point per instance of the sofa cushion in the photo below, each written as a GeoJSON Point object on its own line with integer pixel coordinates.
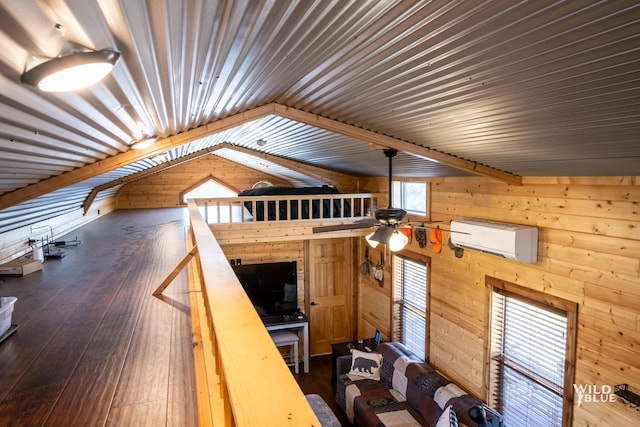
{"type": "Point", "coordinates": [444, 394]}
{"type": "Point", "coordinates": [433, 393]}
{"type": "Point", "coordinates": [448, 418]}
{"type": "Point", "coordinates": [420, 390]}
{"type": "Point", "coordinates": [399, 380]}
{"type": "Point", "coordinates": [369, 403]}
{"type": "Point", "coordinates": [400, 418]}
{"type": "Point", "coordinates": [391, 352]}
{"type": "Point", "coordinates": [366, 365]}
{"type": "Point", "coordinates": [461, 405]}
{"type": "Point", "coordinates": [429, 381]}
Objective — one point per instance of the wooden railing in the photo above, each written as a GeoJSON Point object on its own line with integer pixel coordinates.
{"type": "Point", "coordinates": [287, 208]}
{"type": "Point", "coordinates": [241, 377]}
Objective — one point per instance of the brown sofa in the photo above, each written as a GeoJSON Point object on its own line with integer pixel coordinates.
{"type": "Point", "coordinates": [409, 392]}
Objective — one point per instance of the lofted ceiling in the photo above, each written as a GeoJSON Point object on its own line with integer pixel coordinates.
{"type": "Point", "coordinates": [497, 88]}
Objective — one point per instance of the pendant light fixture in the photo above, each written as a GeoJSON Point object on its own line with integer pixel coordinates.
{"type": "Point", "coordinates": [397, 241]}
{"type": "Point", "coordinates": [390, 218]}
{"type": "Point", "coordinates": [390, 235]}
{"type": "Point", "coordinates": [381, 235]}
{"type": "Point", "coordinates": [75, 71]}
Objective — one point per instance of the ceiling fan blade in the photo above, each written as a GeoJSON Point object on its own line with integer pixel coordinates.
{"type": "Point", "coordinates": [365, 223]}
{"type": "Point", "coordinates": [428, 226]}
{"type": "Point", "coordinates": [423, 224]}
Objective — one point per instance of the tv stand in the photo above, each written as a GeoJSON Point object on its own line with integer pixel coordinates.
{"type": "Point", "coordinates": [292, 321]}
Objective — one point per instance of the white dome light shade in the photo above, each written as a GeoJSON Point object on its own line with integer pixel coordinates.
{"type": "Point", "coordinates": [72, 72]}
{"type": "Point", "coordinates": [397, 241]}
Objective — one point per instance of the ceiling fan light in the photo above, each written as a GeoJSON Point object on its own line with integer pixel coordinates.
{"type": "Point", "coordinates": [371, 243]}
{"type": "Point", "coordinates": [397, 241]}
{"type": "Point", "coordinates": [71, 72]}
{"type": "Point", "coordinates": [382, 234]}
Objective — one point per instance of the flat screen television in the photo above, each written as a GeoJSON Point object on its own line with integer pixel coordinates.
{"type": "Point", "coordinates": [271, 287]}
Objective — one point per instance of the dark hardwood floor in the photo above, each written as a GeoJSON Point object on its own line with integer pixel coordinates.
{"type": "Point", "coordinates": [318, 381]}
{"type": "Point", "coordinates": [95, 348]}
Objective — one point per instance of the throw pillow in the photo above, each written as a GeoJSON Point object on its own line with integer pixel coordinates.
{"type": "Point", "coordinates": [448, 418]}
{"type": "Point", "coordinates": [366, 365]}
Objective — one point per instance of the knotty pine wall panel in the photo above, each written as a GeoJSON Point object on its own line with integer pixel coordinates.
{"type": "Point", "coordinates": [373, 312]}
{"type": "Point", "coordinates": [266, 252]}
{"type": "Point", "coordinates": [373, 300]}
{"type": "Point", "coordinates": [588, 252]}
{"type": "Point", "coordinates": [164, 189]}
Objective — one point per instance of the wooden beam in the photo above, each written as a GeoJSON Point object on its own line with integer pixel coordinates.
{"type": "Point", "coordinates": [114, 162]}
{"type": "Point", "coordinates": [343, 182]}
{"type": "Point", "coordinates": [119, 160]}
{"type": "Point", "coordinates": [381, 140]}
{"type": "Point", "coordinates": [89, 200]}
{"type": "Point", "coordinates": [144, 173]}
{"type": "Point", "coordinates": [181, 265]}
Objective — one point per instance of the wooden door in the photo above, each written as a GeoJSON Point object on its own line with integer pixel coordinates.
{"type": "Point", "coordinates": [330, 266]}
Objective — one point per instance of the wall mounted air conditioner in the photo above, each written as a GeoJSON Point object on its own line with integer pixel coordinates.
{"type": "Point", "coordinates": [512, 241]}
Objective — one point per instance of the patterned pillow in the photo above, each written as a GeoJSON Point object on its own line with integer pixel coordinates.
{"type": "Point", "coordinates": [366, 365]}
{"type": "Point", "coordinates": [448, 418]}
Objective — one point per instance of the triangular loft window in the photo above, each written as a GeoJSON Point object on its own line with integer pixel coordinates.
{"type": "Point", "coordinates": [209, 190]}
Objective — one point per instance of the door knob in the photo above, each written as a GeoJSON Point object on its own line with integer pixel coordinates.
{"type": "Point", "coordinates": [313, 303]}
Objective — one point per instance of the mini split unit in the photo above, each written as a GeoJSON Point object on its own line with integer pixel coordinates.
{"type": "Point", "coordinates": [512, 241]}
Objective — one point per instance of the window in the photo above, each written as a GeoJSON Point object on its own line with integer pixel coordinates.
{"type": "Point", "coordinates": [410, 282]}
{"type": "Point", "coordinates": [531, 367]}
{"type": "Point", "coordinates": [410, 196]}
{"type": "Point", "coordinates": [209, 189]}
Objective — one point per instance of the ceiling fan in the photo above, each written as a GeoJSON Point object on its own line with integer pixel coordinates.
{"type": "Point", "coordinates": [388, 220]}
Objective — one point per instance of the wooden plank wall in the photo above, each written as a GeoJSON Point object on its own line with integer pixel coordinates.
{"type": "Point", "coordinates": [164, 189]}
{"type": "Point", "coordinates": [373, 298]}
{"type": "Point", "coordinates": [589, 253]}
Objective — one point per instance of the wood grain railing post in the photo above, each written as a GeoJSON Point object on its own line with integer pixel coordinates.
{"type": "Point", "coordinates": [181, 265]}
{"type": "Point", "coordinates": [259, 207]}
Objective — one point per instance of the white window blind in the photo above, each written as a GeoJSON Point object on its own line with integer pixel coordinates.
{"type": "Point", "coordinates": [410, 303]}
{"type": "Point", "coordinates": [528, 348]}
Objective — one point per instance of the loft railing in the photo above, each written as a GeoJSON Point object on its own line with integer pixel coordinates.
{"type": "Point", "coordinates": [287, 208]}
{"type": "Point", "coordinates": [241, 377]}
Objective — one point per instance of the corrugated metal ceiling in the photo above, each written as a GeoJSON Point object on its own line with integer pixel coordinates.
{"type": "Point", "coordinates": [531, 88]}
